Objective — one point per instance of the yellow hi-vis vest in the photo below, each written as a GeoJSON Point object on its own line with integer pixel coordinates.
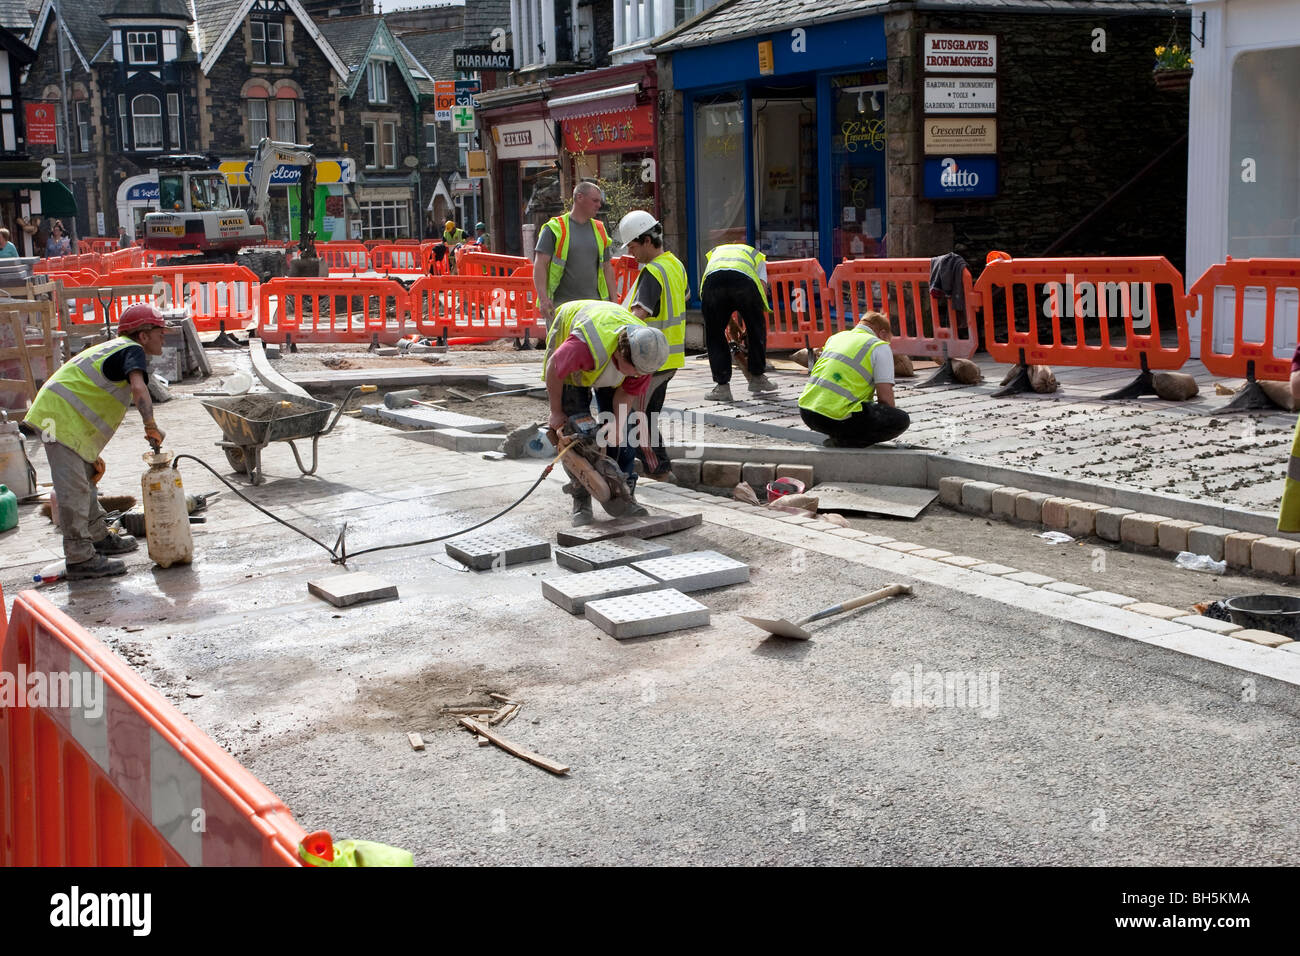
{"type": "Point", "coordinates": [671, 317]}
{"type": "Point", "coordinates": [841, 381]}
{"type": "Point", "coordinates": [562, 227]}
{"type": "Point", "coordinates": [737, 257]}
{"type": "Point", "coordinates": [597, 324]}
{"type": "Point", "coordinates": [78, 407]}
{"type": "Point", "coordinates": [1288, 518]}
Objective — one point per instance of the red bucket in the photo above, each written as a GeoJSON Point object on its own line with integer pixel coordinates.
{"type": "Point", "coordinates": [782, 487]}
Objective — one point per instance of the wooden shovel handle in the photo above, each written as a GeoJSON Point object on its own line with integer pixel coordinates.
{"type": "Point", "coordinates": [888, 590]}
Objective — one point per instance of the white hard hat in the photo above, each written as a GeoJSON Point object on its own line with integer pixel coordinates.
{"type": "Point", "coordinates": [649, 348]}
{"type": "Point", "coordinates": [635, 225]}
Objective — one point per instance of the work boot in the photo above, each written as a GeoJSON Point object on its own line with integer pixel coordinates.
{"type": "Point", "coordinates": [113, 543]}
{"type": "Point", "coordinates": [635, 509]}
{"type": "Point", "coordinates": [720, 393]}
{"type": "Point", "coordinates": [97, 567]}
{"type": "Point", "coordinates": [761, 383]}
{"type": "Point", "coordinates": [582, 514]}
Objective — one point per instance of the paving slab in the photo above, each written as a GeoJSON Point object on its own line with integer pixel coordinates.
{"type": "Point", "coordinates": [895, 502]}
{"type": "Point", "coordinates": [355, 587]}
{"type": "Point", "coordinates": [573, 591]}
{"type": "Point", "coordinates": [641, 615]}
{"type": "Point", "coordinates": [695, 570]}
{"type": "Point", "coordinates": [421, 417]}
{"type": "Point", "coordinates": [608, 554]}
{"type": "Point", "coordinates": [1208, 623]}
{"type": "Point", "coordinates": [498, 549]}
{"type": "Point", "coordinates": [1065, 587]}
{"type": "Point", "coordinates": [648, 527]}
{"type": "Point", "coordinates": [1109, 598]}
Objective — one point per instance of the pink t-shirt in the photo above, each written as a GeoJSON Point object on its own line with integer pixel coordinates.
{"type": "Point", "coordinates": [575, 356]}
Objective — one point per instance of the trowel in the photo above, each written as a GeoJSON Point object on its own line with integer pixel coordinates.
{"type": "Point", "coordinates": [794, 629]}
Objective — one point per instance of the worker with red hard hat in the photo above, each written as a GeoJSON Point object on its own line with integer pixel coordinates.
{"type": "Point", "coordinates": [77, 411]}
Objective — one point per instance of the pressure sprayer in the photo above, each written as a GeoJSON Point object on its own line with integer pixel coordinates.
{"type": "Point", "coordinates": [166, 518]}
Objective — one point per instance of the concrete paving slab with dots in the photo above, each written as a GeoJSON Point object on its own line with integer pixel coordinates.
{"type": "Point", "coordinates": [573, 591]}
{"type": "Point", "coordinates": [640, 615]}
{"type": "Point", "coordinates": [695, 570]}
{"type": "Point", "coordinates": [608, 554]}
{"type": "Point", "coordinates": [499, 549]}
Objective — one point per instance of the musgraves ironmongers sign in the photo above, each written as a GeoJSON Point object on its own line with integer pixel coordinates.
{"type": "Point", "coordinates": [483, 59]}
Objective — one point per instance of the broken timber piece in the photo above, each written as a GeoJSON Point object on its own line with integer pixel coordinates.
{"type": "Point", "coordinates": [504, 699]}
{"type": "Point", "coordinates": [536, 760]}
{"type": "Point", "coordinates": [482, 741]}
{"type": "Point", "coordinates": [505, 711]}
{"type": "Point", "coordinates": [514, 712]}
{"type": "Point", "coordinates": [469, 711]}
{"type": "Point", "coordinates": [417, 742]}
{"type": "Point", "coordinates": [648, 527]}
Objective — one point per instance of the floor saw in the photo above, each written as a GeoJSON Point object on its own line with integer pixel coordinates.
{"type": "Point", "coordinates": [590, 468]}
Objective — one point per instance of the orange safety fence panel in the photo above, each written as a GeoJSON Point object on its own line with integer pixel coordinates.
{"type": "Point", "coordinates": [215, 294]}
{"type": "Point", "coordinates": [90, 261]}
{"type": "Point", "coordinates": [391, 257]}
{"type": "Point", "coordinates": [81, 277]}
{"type": "Point", "coordinates": [924, 323]}
{"type": "Point", "coordinates": [1096, 313]}
{"type": "Point", "coordinates": [476, 305]}
{"type": "Point", "coordinates": [489, 264]}
{"type": "Point", "coordinates": [1250, 317]}
{"type": "Point", "coordinates": [625, 270]}
{"type": "Point", "coordinates": [101, 244]}
{"type": "Point", "coordinates": [333, 310]}
{"type": "Point", "coordinates": [102, 771]}
{"type": "Point", "coordinates": [406, 242]}
{"type": "Point", "coordinates": [799, 300]}
{"type": "Point", "coordinates": [129, 258]}
{"type": "Point", "coordinates": [344, 258]}
{"type": "Point", "coordinates": [85, 304]}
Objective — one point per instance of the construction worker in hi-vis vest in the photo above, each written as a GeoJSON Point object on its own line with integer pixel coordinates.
{"type": "Point", "coordinates": [657, 297]}
{"type": "Point", "coordinates": [572, 258]}
{"type": "Point", "coordinates": [850, 392]}
{"type": "Point", "coordinates": [734, 284]}
{"type": "Point", "coordinates": [77, 411]}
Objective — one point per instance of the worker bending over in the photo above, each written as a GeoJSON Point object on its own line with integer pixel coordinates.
{"type": "Point", "coordinates": [854, 368]}
{"type": "Point", "coordinates": [600, 346]}
{"type": "Point", "coordinates": [658, 297]}
{"type": "Point", "coordinates": [77, 411]}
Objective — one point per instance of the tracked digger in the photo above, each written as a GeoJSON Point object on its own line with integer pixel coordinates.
{"type": "Point", "coordinates": [197, 214]}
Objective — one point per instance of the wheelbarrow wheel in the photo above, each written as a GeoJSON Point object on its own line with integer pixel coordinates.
{"type": "Point", "coordinates": [238, 460]}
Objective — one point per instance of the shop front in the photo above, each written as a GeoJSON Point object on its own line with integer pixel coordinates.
{"type": "Point", "coordinates": [137, 196]}
{"type": "Point", "coordinates": [608, 134]}
{"type": "Point", "coordinates": [336, 210]}
{"type": "Point", "coordinates": [784, 144]}
{"type": "Point", "coordinates": [527, 180]}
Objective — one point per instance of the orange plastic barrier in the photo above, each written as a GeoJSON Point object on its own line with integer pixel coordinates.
{"type": "Point", "coordinates": [799, 299]}
{"type": "Point", "coordinates": [1261, 310]}
{"type": "Point", "coordinates": [923, 322]}
{"type": "Point", "coordinates": [488, 263]}
{"type": "Point", "coordinates": [396, 258]}
{"type": "Point", "coordinates": [85, 304]}
{"type": "Point", "coordinates": [1059, 312]}
{"type": "Point", "coordinates": [104, 772]}
{"type": "Point", "coordinates": [101, 244]}
{"type": "Point", "coordinates": [333, 310]}
{"type": "Point", "coordinates": [344, 258]}
{"type": "Point", "coordinates": [406, 242]}
{"type": "Point", "coordinates": [476, 306]}
{"type": "Point", "coordinates": [81, 277]}
{"type": "Point", "coordinates": [130, 258]}
{"type": "Point", "coordinates": [90, 261]}
{"type": "Point", "coordinates": [625, 270]}
{"type": "Point", "coordinates": [216, 295]}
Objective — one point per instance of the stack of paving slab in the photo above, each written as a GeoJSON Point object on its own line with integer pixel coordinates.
{"type": "Point", "coordinates": [629, 587]}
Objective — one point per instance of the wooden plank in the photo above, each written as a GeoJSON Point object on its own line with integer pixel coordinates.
{"type": "Point", "coordinates": [504, 699]}
{"type": "Point", "coordinates": [470, 711]}
{"type": "Point", "coordinates": [504, 713]}
{"type": "Point", "coordinates": [417, 742]}
{"type": "Point", "coordinates": [536, 760]}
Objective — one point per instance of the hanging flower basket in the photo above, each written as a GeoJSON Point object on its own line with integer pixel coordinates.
{"type": "Point", "coordinates": [1172, 79]}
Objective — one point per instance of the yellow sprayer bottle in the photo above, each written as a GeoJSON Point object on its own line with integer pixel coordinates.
{"type": "Point", "coordinates": [166, 519]}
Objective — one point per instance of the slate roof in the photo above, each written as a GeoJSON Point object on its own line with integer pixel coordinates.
{"type": "Point", "coordinates": [211, 18]}
{"type": "Point", "coordinates": [482, 17]}
{"type": "Point", "coordinates": [15, 16]}
{"type": "Point", "coordinates": [350, 37]}
{"type": "Point", "coordinates": [733, 19]}
{"type": "Point", "coordinates": [423, 81]}
{"type": "Point", "coordinates": [432, 50]}
{"type": "Point", "coordinates": [164, 9]}
{"type": "Point", "coordinates": [83, 19]}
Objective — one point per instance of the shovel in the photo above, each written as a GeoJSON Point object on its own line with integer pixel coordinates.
{"type": "Point", "coordinates": [795, 630]}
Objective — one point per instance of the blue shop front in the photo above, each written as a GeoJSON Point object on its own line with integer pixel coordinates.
{"type": "Point", "coordinates": [785, 143]}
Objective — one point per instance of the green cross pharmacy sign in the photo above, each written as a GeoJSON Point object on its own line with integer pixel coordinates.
{"type": "Point", "coordinates": [462, 120]}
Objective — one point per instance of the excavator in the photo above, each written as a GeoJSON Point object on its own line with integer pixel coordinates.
{"type": "Point", "coordinates": [197, 215]}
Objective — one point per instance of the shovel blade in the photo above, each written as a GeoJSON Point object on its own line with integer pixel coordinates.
{"type": "Point", "coordinates": [780, 627]}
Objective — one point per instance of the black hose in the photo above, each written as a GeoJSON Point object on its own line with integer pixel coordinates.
{"type": "Point", "coordinates": [339, 554]}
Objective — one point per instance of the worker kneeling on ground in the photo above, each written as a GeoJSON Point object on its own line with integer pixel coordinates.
{"type": "Point", "coordinates": [856, 367]}
{"type": "Point", "coordinates": [77, 411]}
{"type": "Point", "coordinates": [600, 346]}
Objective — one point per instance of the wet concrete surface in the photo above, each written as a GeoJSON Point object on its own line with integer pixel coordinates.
{"type": "Point", "coordinates": [713, 745]}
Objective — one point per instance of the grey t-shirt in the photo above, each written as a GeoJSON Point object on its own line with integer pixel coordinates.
{"type": "Point", "coordinates": [648, 291]}
{"type": "Point", "coordinates": [882, 365]}
{"type": "Point", "coordinates": [580, 271]}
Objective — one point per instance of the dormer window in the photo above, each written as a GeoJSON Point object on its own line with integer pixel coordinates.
{"type": "Point", "coordinates": [268, 42]}
{"type": "Point", "coordinates": [142, 48]}
{"type": "Point", "coordinates": [378, 81]}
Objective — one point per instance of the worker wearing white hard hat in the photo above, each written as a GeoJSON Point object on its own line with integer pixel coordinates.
{"type": "Point", "coordinates": [658, 297]}
{"type": "Point", "coordinates": [600, 347]}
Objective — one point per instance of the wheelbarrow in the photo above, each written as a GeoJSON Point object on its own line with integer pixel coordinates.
{"type": "Point", "coordinates": [251, 422]}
